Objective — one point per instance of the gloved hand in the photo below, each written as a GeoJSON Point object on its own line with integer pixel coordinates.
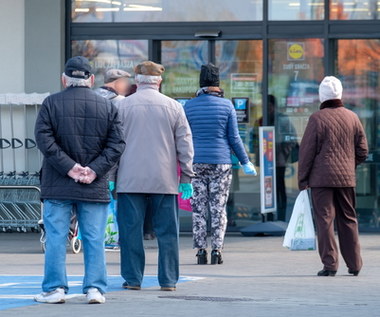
{"type": "Point", "coordinates": [111, 186]}
{"type": "Point", "coordinates": [187, 190]}
{"type": "Point", "coordinates": [249, 169]}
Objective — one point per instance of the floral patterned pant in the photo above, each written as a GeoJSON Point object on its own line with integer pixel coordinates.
{"type": "Point", "coordinates": [211, 189]}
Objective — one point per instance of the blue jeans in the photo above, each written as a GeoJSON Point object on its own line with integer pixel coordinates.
{"type": "Point", "coordinates": [131, 211]}
{"type": "Point", "coordinates": [92, 219]}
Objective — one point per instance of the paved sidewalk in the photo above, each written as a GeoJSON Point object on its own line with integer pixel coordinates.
{"type": "Point", "coordinates": [259, 278]}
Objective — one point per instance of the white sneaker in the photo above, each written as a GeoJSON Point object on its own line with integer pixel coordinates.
{"type": "Point", "coordinates": [95, 297]}
{"type": "Point", "coordinates": [54, 297]}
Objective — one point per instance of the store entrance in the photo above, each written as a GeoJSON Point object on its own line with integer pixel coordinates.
{"type": "Point", "coordinates": [240, 64]}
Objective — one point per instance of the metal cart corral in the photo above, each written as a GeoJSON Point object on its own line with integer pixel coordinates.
{"type": "Point", "coordinates": [20, 207]}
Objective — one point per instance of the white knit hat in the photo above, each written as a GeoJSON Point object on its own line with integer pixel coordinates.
{"type": "Point", "coordinates": [330, 88]}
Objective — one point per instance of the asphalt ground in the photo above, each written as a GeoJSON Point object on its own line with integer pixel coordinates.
{"type": "Point", "coordinates": [258, 278]}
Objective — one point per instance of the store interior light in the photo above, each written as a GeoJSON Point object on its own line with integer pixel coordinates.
{"type": "Point", "coordinates": [107, 9]}
{"type": "Point", "coordinates": [98, 1]}
{"type": "Point", "coordinates": [82, 10]}
{"type": "Point", "coordinates": [294, 4]}
{"type": "Point", "coordinates": [136, 7]}
{"type": "Point", "coordinates": [356, 9]}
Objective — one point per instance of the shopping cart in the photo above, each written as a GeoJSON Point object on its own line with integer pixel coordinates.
{"type": "Point", "coordinates": [20, 205]}
{"type": "Point", "coordinates": [73, 238]}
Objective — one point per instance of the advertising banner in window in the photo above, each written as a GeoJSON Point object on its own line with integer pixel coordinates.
{"type": "Point", "coordinates": [267, 169]}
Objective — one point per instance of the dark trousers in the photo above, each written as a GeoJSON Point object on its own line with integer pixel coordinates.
{"type": "Point", "coordinates": [148, 221]}
{"type": "Point", "coordinates": [337, 204]}
{"type": "Point", "coordinates": [131, 214]}
{"type": "Point", "coordinates": [281, 193]}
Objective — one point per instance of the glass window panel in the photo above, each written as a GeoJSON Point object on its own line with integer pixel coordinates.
{"type": "Point", "coordinates": [296, 10]}
{"type": "Point", "coordinates": [358, 67]}
{"type": "Point", "coordinates": [295, 71]}
{"type": "Point", "coordinates": [354, 9]}
{"type": "Point", "coordinates": [241, 67]}
{"type": "Point", "coordinates": [166, 10]}
{"type": "Point", "coordinates": [182, 61]}
{"type": "Point", "coordinates": [106, 54]}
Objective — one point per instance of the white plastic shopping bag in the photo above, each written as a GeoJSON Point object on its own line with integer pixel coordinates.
{"type": "Point", "coordinates": [300, 234]}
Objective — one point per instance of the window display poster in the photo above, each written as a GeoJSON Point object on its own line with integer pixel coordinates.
{"type": "Point", "coordinates": [268, 170]}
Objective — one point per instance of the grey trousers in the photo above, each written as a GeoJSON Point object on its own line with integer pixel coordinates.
{"type": "Point", "coordinates": [211, 189]}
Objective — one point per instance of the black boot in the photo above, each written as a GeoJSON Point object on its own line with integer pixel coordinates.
{"type": "Point", "coordinates": [202, 256]}
{"type": "Point", "coordinates": [353, 272]}
{"type": "Point", "coordinates": [216, 257]}
{"type": "Point", "coordinates": [326, 273]}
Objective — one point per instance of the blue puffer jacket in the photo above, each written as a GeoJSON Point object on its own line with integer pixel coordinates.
{"type": "Point", "coordinates": [215, 131]}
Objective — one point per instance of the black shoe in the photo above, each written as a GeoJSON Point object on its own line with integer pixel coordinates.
{"type": "Point", "coordinates": [326, 273]}
{"type": "Point", "coordinates": [216, 257]}
{"type": "Point", "coordinates": [354, 273]}
{"type": "Point", "coordinates": [202, 256]}
{"type": "Point", "coordinates": [130, 287]}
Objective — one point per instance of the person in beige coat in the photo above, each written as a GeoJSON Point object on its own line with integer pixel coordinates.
{"type": "Point", "coordinates": [157, 137]}
{"type": "Point", "coordinates": [333, 145]}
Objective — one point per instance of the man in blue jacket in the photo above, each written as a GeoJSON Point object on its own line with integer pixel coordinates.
{"type": "Point", "coordinates": [79, 135]}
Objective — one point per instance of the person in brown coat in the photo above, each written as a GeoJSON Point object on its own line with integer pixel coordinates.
{"type": "Point", "coordinates": [334, 143]}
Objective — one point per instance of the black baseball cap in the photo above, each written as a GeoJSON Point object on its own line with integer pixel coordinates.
{"type": "Point", "coordinates": [78, 67]}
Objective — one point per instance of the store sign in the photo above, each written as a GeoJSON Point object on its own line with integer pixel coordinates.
{"type": "Point", "coordinates": [241, 106]}
{"type": "Point", "coordinates": [243, 83]}
{"type": "Point", "coordinates": [296, 51]}
{"type": "Point", "coordinates": [295, 56]}
{"type": "Point", "coordinates": [267, 169]}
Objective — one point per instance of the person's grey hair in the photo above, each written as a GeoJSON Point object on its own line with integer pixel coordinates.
{"type": "Point", "coordinates": [77, 82]}
{"type": "Point", "coordinates": [147, 79]}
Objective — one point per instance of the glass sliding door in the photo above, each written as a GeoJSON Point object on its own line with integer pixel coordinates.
{"type": "Point", "coordinates": [182, 61]}
{"type": "Point", "coordinates": [241, 66]}
{"type": "Point", "coordinates": [358, 66]}
{"type": "Point", "coordinates": [295, 71]}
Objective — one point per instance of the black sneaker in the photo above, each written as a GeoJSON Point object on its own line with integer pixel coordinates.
{"type": "Point", "coordinates": [326, 273]}
{"type": "Point", "coordinates": [202, 256]}
{"type": "Point", "coordinates": [216, 257]}
{"type": "Point", "coordinates": [131, 287]}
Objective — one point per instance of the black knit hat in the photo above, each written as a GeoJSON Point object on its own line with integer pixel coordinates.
{"type": "Point", "coordinates": [209, 76]}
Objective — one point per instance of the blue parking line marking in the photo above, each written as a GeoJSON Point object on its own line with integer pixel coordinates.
{"type": "Point", "coordinates": [18, 291]}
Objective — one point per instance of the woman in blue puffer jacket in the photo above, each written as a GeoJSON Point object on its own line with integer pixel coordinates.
{"type": "Point", "coordinates": [213, 123]}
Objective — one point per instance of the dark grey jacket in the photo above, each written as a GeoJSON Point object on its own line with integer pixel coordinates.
{"type": "Point", "coordinates": [77, 126]}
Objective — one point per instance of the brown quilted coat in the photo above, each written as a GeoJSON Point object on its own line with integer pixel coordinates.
{"type": "Point", "coordinates": [333, 145]}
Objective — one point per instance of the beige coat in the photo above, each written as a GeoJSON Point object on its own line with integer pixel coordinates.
{"type": "Point", "coordinates": [157, 136]}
